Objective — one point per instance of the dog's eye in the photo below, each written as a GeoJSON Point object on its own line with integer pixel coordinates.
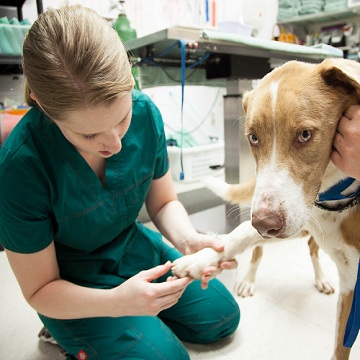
{"type": "Point", "coordinates": [253, 139]}
{"type": "Point", "coordinates": [305, 136]}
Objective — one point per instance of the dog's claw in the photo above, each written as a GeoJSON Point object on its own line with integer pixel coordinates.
{"type": "Point", "coordinates": [324, 286]}
{"type": "Point", "coordinates": [245, 288]}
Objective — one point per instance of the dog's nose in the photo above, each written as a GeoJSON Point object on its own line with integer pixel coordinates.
{"type": "Point", "coordinates": [267, 223]}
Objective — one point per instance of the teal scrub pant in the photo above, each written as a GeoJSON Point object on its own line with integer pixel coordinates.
{"type": "Point", "coordinates": [200, 316]}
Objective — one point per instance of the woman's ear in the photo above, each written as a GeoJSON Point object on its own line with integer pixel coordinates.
{"type": "Point", "coordinates": [33, 97]}
{"type": "Point", "coordinates": [35, 100]}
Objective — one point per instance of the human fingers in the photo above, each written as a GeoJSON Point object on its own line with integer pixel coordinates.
{"type": "Point", "coordinates": [205, 283]}
{"type": "Point", "coordinates": [343, 125]}
{"type": "Point", "coordinates": [211, 272]}
{"type": "Point", "coordinates": [338, 145]}
{"type": "Point", "coordinates": [205, 240]}
{"type": "Point", "coordinates": [205, 279]}
{"type": "Point", "coordinates": [155, 302]}
{"type": "Point", "coordinates": [156, 272]}
{"type": "Point", "coordinates": [167, 301]}
{"type": "Point", "coordinates": [349, 123]}
{"type": "Point", "coordinates": [208, 274]}
{"type": "Point", "coordinates": [229, 265]}
{"type": "Point", "coordinates": [335, 155]}
{"type": "Point", "coordinates": [352, 112]}
{"type": "Point", "coordinates": [171, 278]}
{"type": "Point", "coordinates": [167, 287]}
{"type": "Point", "coordinates": [338, 137]}
{"type": "Point", "coordinates": [217, 245]}
{"type": "Point", "coordinates": [172, 286]}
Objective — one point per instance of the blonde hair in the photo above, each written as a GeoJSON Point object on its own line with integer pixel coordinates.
{"type": "Point", "coordinates": [73, 59]}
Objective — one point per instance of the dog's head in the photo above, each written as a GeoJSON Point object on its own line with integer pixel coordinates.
{"type": "Point", "coordinates": [291, 119]}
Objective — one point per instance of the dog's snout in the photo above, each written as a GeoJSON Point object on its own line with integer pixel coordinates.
{"type": "Point", "coordinates": [267, 223]}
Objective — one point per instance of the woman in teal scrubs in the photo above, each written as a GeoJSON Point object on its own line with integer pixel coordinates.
{"type": "Point", "coordinates": [74, 174]}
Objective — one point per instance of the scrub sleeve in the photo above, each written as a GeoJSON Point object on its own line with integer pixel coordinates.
{"type": "Point", "coordinates": [49, 193]}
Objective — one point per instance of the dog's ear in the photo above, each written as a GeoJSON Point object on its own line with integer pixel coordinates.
{"type": "Point", "coordinates": [342, 73]}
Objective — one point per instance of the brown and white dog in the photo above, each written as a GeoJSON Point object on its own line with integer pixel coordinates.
{"type": "Point", "coordinates": [291, 120]}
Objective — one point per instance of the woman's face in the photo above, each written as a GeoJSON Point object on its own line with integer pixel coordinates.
{"type": "Point", "coordinates": [98, 130]}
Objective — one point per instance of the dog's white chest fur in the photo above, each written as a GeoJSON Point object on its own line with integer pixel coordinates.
{"type": "Point", "coordinates": [326, 229]}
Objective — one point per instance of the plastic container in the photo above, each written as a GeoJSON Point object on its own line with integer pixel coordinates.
{"type": "Point", "coordinates": [12, 38]}
{"type": "Point", "coordinates": [198, 161]}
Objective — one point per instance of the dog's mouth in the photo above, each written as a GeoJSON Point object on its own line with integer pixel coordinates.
{"type": "Point", "coordinates": [275, 234]}
{"type": "Point", "coordinates": [270, 234]}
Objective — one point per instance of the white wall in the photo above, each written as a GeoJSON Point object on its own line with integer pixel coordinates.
{"type": "Point", "coordinates": [199, 103]}
{"type": "Point", "coordinates": [148, 16]}
{"type": "Point", "coordinates": [103, 7]}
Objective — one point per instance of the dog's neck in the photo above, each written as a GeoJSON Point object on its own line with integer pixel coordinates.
{"type": "Point", "coordinates": [339, 192]}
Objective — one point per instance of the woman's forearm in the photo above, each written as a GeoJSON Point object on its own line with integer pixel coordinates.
{"type": "Point", "coordinates": [173, 222]}
{"type": "Point", "coordinates": [61, 299]}
{"type": "Point", "coordinates": [44, 290]}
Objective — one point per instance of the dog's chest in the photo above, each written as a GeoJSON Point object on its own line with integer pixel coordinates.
{"type": "Point", "coordinates": [327, 231]}
{"type": "Point", "coordinates": [326, 228]}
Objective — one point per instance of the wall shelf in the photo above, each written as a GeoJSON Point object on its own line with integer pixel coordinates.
{"type": "Point", "coordinates": [11, 64]}
{"type": "Point", "coordinates": [321, 17]}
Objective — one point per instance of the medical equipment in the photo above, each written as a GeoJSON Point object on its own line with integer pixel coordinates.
{"type": "Point", "coordinates": [122, 24]}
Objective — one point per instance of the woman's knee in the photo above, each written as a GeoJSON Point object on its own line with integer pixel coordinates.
{"type": "Point", "coordinates": [220, 327]}
{"type": "Point", "coordinates": [204, 316]}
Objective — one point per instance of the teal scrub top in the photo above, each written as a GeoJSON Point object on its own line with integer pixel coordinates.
{"type": "Point", "coordinates": [48, 192]}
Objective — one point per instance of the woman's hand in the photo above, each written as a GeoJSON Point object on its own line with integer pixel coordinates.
{"type": "Point", "coordinates": [346, 144]}
{"type": "Point", "coordinates": [210, 272]}
{"type": "Point", "coordinates": [172, 220]}
{"type": "Point", "coordinates": [138, 296]}
{"type": "Point", "coordinates": [47, 293]}
{"type": "Point", "coordinates": [200, 241]}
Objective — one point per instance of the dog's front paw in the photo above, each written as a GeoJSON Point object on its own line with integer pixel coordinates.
{"type": "Point", "coordinates": [245, 288]}
{"type": "Point", "coordinates": [324, 286]}
{"type": "Point", "coordinates": [194, 264]}
{"type": "Point", "coordinates": [217, 186]}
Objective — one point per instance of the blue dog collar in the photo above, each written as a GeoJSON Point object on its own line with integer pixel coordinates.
{"type": "Point", "coordinates": [353, 323]}
{"type": "Point", "coordinates": [338, 197]}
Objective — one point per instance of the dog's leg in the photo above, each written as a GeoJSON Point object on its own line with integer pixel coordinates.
{"type": "Point", "coordinates": [343, 311]}
{"type": "Point", "coordinates": [321, 283]}
{"type": "Point", "coordinates": [346, 261]}
{"type": "Point", "coordinates": [246, 286]}
{"type": "Point", "coordinates": [236, 242]}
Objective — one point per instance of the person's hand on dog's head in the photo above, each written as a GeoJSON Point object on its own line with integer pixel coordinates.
{"type": "Point", "coordinates": [346, 144]}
